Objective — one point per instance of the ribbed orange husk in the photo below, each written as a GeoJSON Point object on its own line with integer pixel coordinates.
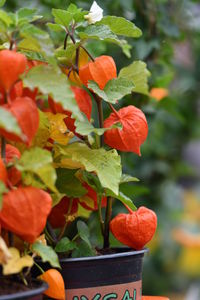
{"type": "Point", "coordinates": [133, 133]}
{"type": "Point", "coordinates": [135, 229]}
{"type": "Point", "coordinates": [12, 65]}
{"type": "Point", "coordinates": [101, 71]}
{"type": "Point", "coordinates": [12, 153]}
{"type": "Point", "coordinates": [25, 211]}
{"type": "Point", "coordinates": [26, 113]}
{"type": "Point", "coordinates": [56, 284]}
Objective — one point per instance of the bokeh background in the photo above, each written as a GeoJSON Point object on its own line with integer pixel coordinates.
{"type": "Point", "coordinates": [169, 168]}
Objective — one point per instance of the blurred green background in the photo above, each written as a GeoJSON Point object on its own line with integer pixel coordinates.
{"type": "Point", "coordinates": [169, 168]}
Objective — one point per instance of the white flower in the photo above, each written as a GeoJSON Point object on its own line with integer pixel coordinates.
{"type": "Point", "coordinates": [95, 14]}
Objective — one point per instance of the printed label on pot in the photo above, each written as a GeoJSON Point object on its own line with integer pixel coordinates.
{"type": "Point", "coordinates": [125, 291]}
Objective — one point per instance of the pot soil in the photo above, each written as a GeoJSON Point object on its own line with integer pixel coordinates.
{"type": "Point", "coordinates": [11, 290]}
{"type": "Point", "coordinates": [104, 277]}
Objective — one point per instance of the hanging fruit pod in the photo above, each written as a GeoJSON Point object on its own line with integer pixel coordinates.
{"type": "Point", "coordinates": [133, 133]}
{"type": "Point", "coordinates": [101, 70]}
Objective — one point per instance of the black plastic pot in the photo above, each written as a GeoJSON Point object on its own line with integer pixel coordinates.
{"type": "Point", "coordinates": [33, 293]}
{"type": "Point", "coordinates": [113, 276]}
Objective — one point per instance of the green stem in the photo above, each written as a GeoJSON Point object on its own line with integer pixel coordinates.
{"type": "Point", "coordinates": [51, 232]}
{"type": "Point", "coordinates": [48, 237]}
{"type": "Point", "coordinates": [90, 56]}
{"type": "Point", "coordinates": [41, 270]}
{"type": "Point", "coordinates": [65, 41]}
{"type": "Point", "coordinates": [23, 278]}
{"type": "Point", "coordinates": [75, 237]}
{"type": "Point", "coordinates": [3, 148]}
{"type": "Point", "coordinates": [99, 197]}
{"type": "Point", "coordinates": [107, 223]}
{"type": "Point", "coordinates": [100, 115]}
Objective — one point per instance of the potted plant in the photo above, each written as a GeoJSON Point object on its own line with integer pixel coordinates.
{"type": "Point", "coordinates": [59, 161]}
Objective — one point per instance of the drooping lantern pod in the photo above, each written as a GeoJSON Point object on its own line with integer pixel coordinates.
{"type": "Point", "coordinates": [25, 211]}
{"type": "Point", "coordinates": [26, 113]}
{"type": "Point", "coordinates": [133, 133]}
{"type": "Point", "coordinates": [101, 70]}
{"type": "Point", "coordinates": [12, 65]}
{"type": "Point", "coordinates": [84, 103]}
{"type": "Point", "coordinates": [135, 229]}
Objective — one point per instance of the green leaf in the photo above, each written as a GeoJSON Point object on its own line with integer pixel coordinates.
{"type": "Point", "coordinates": [66, 56]}
{"type": "Point", "coordinates": [62, 17]}
{"type": "Point", "coordinates": [3, 190]}
{"type": "Point", "coordinates": [83, 232]}
{"type": "Point", "coordinates": [123, 198]}
{"type": "Point", "coordinates": [65, 245]}
{"type": "Point", "coordinates": [93, 181]}
{"type": "Point", "coordinates": [30, 31]}
{"type": "Point", "coordinates": [86, 128]}
{"type": "Point", "coordinates": [83, 250]}
{"type": "Point", "coordinates": [138, 73]}
{"type": "Point", "coordinates": [128, 178]}
{"type": "Point", "coordinates": [32, 55]}
{"type": "Point", "coordinates": [68, 184]}
{"type": "Point", "coordinates": [102, 33]}
{"type": "Point", "coordinates": [27, 14]}
{"type": "Point", "coordinates": [5, 18]}
{"type": "Point", "coordinates": [46, 253]}
{"type": "Point", "coordinates": [2, 2]}
{"type": "Point", "coordinates": [9, 123]}
{"type": "Point", "coordinates": [52, 82]}
{"type": "Point", "coordinates": [106, 164]}
{"type": "Point", "coordinates": [55, 27]}
{"type": "Point", "coordinates": [114, 90]}
{"type": "Point", "coordinates": [29, 44]}
{"type": "Point", "coordinates": [39, 162]}
{"type": "Point", "coordinates": [121, 26]}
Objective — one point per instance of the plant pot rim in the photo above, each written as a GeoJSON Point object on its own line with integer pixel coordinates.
{"type": "Point", "coordinates": [124, 251]}
{"type": "Point", "coordinates": [29, 293]}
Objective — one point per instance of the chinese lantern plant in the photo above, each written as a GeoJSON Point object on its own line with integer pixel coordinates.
{"type": "Point", "coordinates": [25, 185]}
{"type": "Point", "coordinates": [59, 159]}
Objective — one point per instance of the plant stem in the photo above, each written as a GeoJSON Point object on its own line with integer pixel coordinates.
{"type": "Point", "coordinates": [3, 148]}
{"type": "Point", "coordinates": [41, 270]}
{"type": "Point", "coordinates": [100, 114]}
{"type": "Point", "coordinates": [99, 197]}
{"type": "Point", "coordinates": [90, 56]}
{"type": "Point", "coordinates": [51, 232]}
{"type": "Point", "coordinates": [23, 278]}
{"type": "Point", "coordinates": [114, 110]}
{"type": "Point", "coordinates": [65, 41]}
{"type": "Point", "coordinates": [107, 223]}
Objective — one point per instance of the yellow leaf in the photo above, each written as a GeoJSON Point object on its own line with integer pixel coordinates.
{"type": "Point", "coordinates": [5, 254]}
{"type": "Point", "coordinates": [58, 130]}
{"type": "Point", "coordinates": [88, 201]}
{"type": "Point", "coordinates": [16, 263]}
{"type": "Point", "coordinates": [82, 212]}
{"type": "Point", "coordinates": [69, 164]}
